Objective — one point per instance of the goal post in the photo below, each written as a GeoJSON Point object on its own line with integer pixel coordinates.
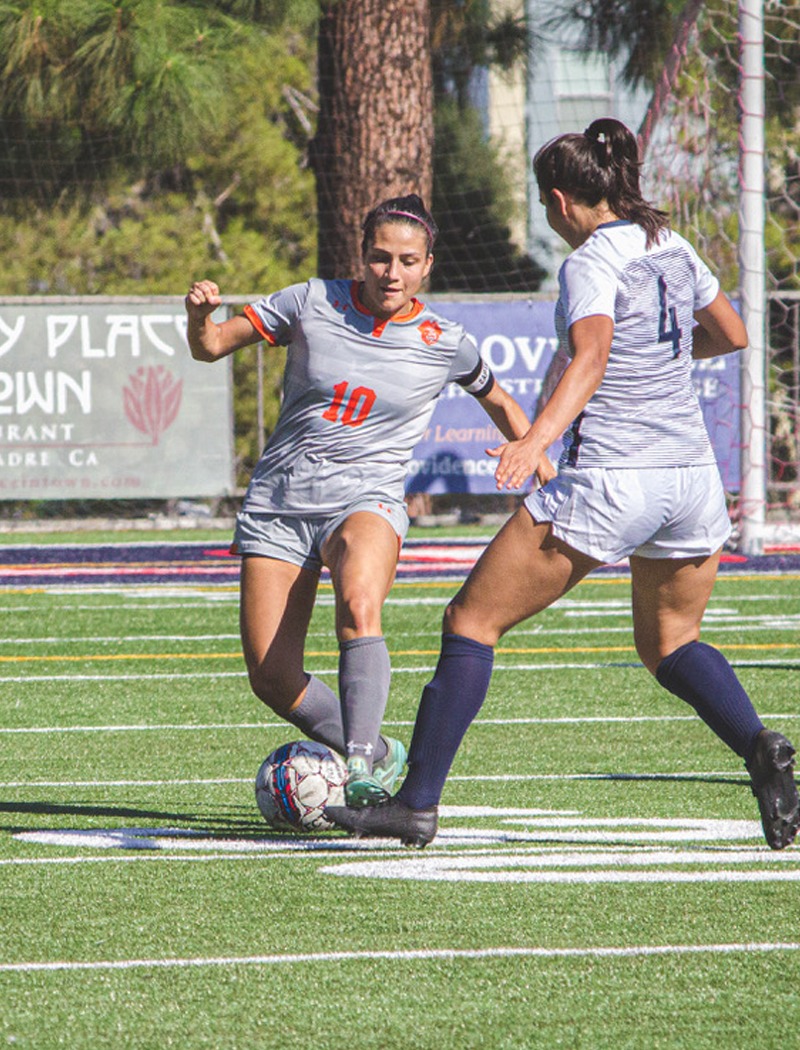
{"type": "Point", "coordinates": [752, 279]}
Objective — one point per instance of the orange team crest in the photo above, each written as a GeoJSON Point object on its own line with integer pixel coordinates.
{"type": "Point", "coordinates": [430, 332]}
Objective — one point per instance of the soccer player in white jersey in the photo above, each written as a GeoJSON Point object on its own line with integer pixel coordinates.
{"type": "Point", "coordinates": [365, 363]}
{"type": "Point", "coordinates": [637, 479]}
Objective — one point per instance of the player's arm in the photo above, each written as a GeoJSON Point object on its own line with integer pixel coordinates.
{"type": "Point", "coordinates": [590, 342]}
{"type": "Point", "coordinates": [207, 340]}
{"type": "Point", "coordinates": [504, 411]}
{"type": "Point", "coordinates": [719, 329]}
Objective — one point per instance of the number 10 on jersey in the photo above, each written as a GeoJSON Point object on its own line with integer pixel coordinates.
{"type": "Point", "coordinates": [356, 408]}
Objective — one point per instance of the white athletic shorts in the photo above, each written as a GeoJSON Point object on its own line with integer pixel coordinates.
{"type": "Point", "coordinates": [299, 540]}
{"type": "Point", "coordinates": [655, 512]}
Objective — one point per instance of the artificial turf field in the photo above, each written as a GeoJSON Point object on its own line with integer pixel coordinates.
{"type": "Point", "coordinates": [599, 881]}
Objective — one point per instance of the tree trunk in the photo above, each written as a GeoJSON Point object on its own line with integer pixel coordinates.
{"type": "Point", "coordinates": [375, 129]}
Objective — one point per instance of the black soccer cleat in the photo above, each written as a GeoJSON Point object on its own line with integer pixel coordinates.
{"type": "Point", "coordinates": [392, 819]}
{"type": "Point", "coordinates": [770, 769]}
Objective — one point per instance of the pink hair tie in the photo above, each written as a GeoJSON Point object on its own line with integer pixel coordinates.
{"type": "Point", "coordinates": [416, 218]}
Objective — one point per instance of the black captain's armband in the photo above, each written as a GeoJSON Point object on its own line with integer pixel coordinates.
{"type": "Point", "coordinates": [479, 382]}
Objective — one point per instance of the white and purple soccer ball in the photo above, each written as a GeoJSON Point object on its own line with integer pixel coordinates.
{"type": "Point", "coordinates": [296, 782]}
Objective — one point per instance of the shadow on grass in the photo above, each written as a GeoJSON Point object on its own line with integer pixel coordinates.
{"type": "Point", "coordinates": [671, 778]}
{"type": "Point", "coordinates": [225, 823]}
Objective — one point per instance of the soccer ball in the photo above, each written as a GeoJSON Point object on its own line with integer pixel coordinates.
{"type": "Point", "coordinates": [296, 782]}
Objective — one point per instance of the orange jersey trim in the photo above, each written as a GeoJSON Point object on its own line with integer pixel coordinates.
{"type": "Point", "coordinates": [255, 321]}
{"type": "Point", "coordinates": [415, 308]}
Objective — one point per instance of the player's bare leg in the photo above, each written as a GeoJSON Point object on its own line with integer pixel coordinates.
{"type": "Point", "coordinates": [276, 602]}
{"type": "Point", "coordinates": [277, 599]}
{"type": "Point", "coordinates": [522, 571]}
{"type": "Point", "coordinates": [362, 557]}
{"type": "Point", "coordinates": [669, 599]}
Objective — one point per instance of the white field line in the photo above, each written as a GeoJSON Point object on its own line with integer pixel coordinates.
{"type": "Point", "coordinates": [202, 781]}
{"type": "Point", "coordinates": [118, 639]}
{"type": "Point", "coordinates": [117, 607]}
{"type": "Point", "coordinates": [422, 669]}
{"type": "Point", "coordinates": [737, 624]}
{"type": "Point", "coordinates": [484, 778]}
{"type": "Point", "coordinates": [206, 727]}
{"type": "Point", "coordinates": [194, 602]}
{"type": "Point", "coordinates": [573, 878]}
{"type": "Point", "coordinates": [209, 676]}
{"type": "Point", "coordinates": [141, 856]}
{"type": "Point", "coordinates": [407, 955]}
{"type": "Point", "coordinates": [532, 831]}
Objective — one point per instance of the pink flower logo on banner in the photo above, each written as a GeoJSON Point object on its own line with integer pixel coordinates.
{"type": "Point", "coordinates": [152, 399]}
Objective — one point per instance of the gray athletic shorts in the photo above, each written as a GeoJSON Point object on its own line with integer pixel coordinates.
{"type": "Point", "coordinates": [299, 540]}
{"type": "Point", "coordinates": [655, 512]}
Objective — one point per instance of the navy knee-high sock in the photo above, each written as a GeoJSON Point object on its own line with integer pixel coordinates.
{"type": "Point", "coordinates": [449, 703]}
{"type": "Point", "coordinates": [700, 675]}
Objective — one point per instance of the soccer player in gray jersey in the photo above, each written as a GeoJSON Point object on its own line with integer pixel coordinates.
{"type": "Point", "coordinates": [637, 479]}
{"type": "Point", "coordinates": [365, 363]}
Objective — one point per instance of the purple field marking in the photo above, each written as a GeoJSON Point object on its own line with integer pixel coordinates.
{"type": "Point", "coordinates": [206, 563]}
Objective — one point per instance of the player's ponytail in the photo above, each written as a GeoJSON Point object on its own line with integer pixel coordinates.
{"type": "Point", "coordinates": [601, 164]}
{"type": "Point", "coordinates": [409, 209]}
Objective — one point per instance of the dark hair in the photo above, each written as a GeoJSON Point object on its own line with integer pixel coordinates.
{"type": "Point", "coordinates": [409, 209]}
{"type": "Point", "coordinates": [601, 164]}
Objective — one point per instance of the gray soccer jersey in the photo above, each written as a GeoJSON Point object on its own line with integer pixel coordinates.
{"type": "Point", "coordinates": [358, 393]}
{"type": "Point", "coordinates": [645, 412]}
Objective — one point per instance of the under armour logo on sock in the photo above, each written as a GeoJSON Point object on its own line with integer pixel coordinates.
{"type": "Point", "coordinates": [353, 746]}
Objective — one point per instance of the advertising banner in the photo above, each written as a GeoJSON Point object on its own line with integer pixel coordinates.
{"type": "Point", "coordinates": [102, 400]}
{"type": "Point", "coordinates": [517, 339]}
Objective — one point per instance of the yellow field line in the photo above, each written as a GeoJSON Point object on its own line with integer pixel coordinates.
{"type": "Point", "coordinates": [119, 656]}
{"type": "Point", "coordinates": [451, 585]}
{"type": "Point", "coordinates": [613, 581]}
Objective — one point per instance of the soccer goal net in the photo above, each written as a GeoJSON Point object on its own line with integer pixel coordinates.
{"type": "Point", "coordinates": [138, 152]}
{"type": "Point", "coordinates": [720, 140]}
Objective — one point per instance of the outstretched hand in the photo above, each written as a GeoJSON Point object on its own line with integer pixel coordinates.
{"type": "Point", "coordinates": [518, 460]}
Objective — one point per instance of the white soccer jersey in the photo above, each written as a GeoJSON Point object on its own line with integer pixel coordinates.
{"type": "Point", "coordinates": [358, 393]}
{"type": "Point", "coordinates": [645, 412]}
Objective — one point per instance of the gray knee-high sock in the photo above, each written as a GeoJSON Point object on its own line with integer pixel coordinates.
{"type": "Point", "coordinates": [319, 716]}
{"type": "Point", "coordinates": [364, 677]}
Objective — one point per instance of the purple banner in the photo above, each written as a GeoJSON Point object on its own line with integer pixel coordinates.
{"type": "Point", "coordinates": [517, 338]}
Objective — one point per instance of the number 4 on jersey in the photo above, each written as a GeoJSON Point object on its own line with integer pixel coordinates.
{"type": "Point", "coordinates": [668, 313]}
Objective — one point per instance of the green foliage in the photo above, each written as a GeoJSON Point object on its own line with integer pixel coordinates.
{"type": "Point", "coordinates": [472, 197]}
{"type": "Point", "coordinates": [638, 31]}
{"type": "Point", "coordinates": [470, 34]}
{"type": "Point", "coordinates": [254, 168]}
{"type": "Point", "coordinates": [138, 78]}
{"type": "Point", "coordinates": [300, 15]}
{"type": "Point", "coordinates": [146, 143]}
{"type": "Point", "coordinates": [159, 144]}
{"type": "Point", "coordinates": [147, 81]}
{"type": "Point", "coordinates": [473, 206]}
{"type": "Point", "coordinates": [783, 212]}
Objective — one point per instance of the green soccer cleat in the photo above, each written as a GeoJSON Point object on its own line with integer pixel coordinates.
{"type": "Point", "coordinates": [391, 765]}
{"type": "Point", "coordinates": [362, 788]}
